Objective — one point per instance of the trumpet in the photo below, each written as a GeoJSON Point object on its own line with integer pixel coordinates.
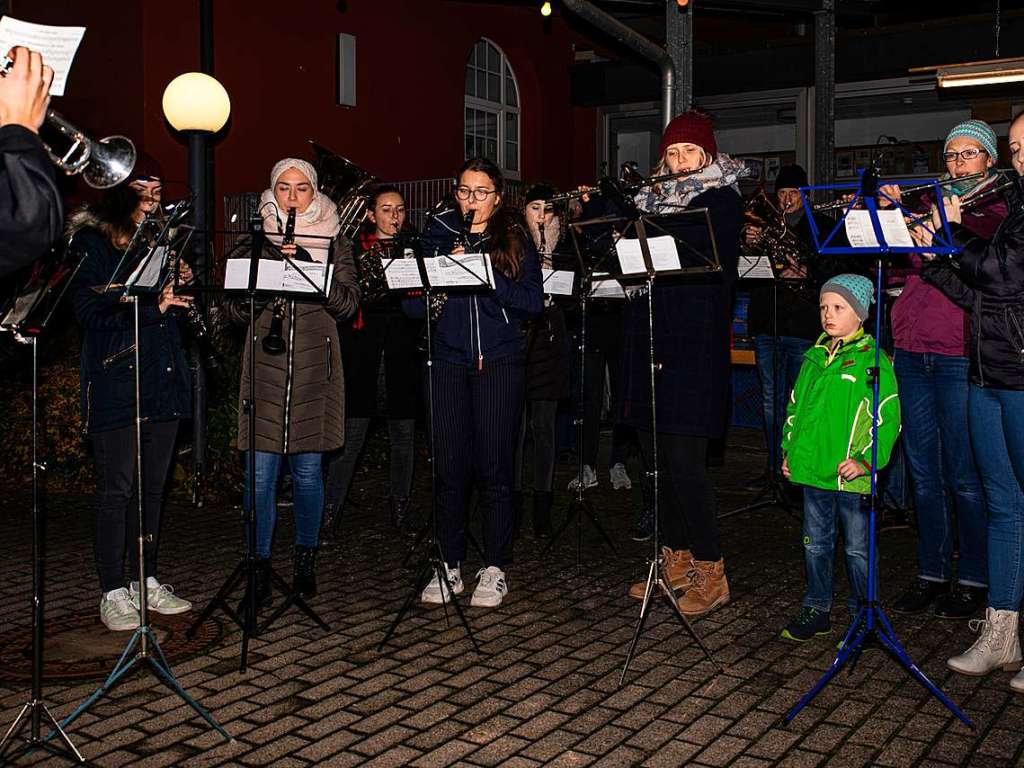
{"type": "Point", "coordinates": [845, 201]}
{"type": "Point", "coordinates": [102, 164]}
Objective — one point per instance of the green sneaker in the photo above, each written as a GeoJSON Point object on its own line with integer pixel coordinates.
{"type": "Point", "coordinates": [810, 622]}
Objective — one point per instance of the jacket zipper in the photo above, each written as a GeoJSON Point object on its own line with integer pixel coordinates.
{"type": "Point", "coordinates": [88, 403]}
{"type": "Point", "coordinates": [111, 359]}
{"type": "Point", "coordinates": [327, 340]}
{"type": "Point", "coordinates": [1011, 319]}
{"type": "Point", "coordinates": [288, 376]}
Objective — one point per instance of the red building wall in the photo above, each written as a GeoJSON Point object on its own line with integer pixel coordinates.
{"type": "Point", "coordinates": [277, 62]}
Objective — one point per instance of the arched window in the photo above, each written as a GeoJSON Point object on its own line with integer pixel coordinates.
{"type": "Point", "coordinates": [492, 108]}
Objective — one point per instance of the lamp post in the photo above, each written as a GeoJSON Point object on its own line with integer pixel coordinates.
{"type": "Point", "coordinates": [198, 106]}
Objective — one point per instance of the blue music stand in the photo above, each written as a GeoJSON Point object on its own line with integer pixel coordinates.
{"type": "Point", "coordinates": [871, 624]}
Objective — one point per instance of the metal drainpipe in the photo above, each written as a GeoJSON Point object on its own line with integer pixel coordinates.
{"type": "Point", "coordinates": [635, 42]}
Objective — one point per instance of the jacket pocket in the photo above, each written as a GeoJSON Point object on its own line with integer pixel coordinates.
{"type": "Point", "coordinates": [117, 357]}
{"type": "Point", "coordinates": [1016, 331]}
{"type": "Point", "coordinates": [327, 349]}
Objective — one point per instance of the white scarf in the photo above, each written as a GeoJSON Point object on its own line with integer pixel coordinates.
{"type": "Point", "coordinates": [320, 219]}
{"type": "Point", "coordinates": [677, 194]}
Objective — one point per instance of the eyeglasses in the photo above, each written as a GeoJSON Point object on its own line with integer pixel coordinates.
{"type": "Point", "coordinates": [963, 154]}
{"type": "Point", "coordinates": [479, 194]}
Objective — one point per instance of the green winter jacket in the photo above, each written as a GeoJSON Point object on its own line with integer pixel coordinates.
{"type": "Point", "coordinates": [829, 415]}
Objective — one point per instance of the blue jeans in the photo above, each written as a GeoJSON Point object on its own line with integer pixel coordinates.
{"type": "Point", "coordinates": [307, 496]}
{"type": "Point", "coordinates": [822, 509]}
{"type": "Point", "coordinates": [777, 380]}
{"type": "Point", "coordinates": [997, 434]}
{"type": "Point", "coordinates": [933, 404]}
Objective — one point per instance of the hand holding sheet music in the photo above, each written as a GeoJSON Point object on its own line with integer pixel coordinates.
{"type": "Point", "coordinates": [57, 45]}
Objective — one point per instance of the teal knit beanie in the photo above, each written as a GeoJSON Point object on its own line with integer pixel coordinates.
{"type": "Point", "coordinates": [856, 289]}
{"type": "Point", "coordinates": [978, 130]}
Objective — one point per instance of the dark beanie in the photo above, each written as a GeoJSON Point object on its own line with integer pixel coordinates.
{"type": "Point", "coordinates": [790, 177]}
{"type": "Point", "coordinates": [691, 127]}
{"type": "Point", "coordinates": [147, 168]}
{"type": "Point", "coordinates": [540, 191]}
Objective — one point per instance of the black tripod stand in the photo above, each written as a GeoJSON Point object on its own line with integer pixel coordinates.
{"type": "Point", "coordinates": [245, 571]}
{"type": "Point", "coordinates": [35, 709]}
{"type": "Point", "coordinates": [580, 506]}
{"type": "Point", "coordinates": [657, 578]}
{"type": "Point", "coordinates": [432, 560]}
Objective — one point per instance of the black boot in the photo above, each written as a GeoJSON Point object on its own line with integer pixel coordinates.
{"type": "Point", "coordinates": [400, 513]}
{"type": "Point", "coordinates": [329, 524]}
{"type": "Point", "coordinates": [542, 501]}
{"type": "Point", "coordinates": [304, 582]}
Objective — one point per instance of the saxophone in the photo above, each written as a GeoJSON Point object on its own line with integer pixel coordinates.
{"type": "Point", "coordinates": [788, 253]}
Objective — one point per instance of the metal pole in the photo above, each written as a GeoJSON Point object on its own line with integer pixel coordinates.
{"type": "Point", "coordinates": [824, 92]}
{"type": "Point", "coordinates": [679, 42]}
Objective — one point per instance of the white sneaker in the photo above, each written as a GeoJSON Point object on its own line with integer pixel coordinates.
{"type": "Point", "coordinates": [490, 588]}
{"type": "Point", "coordinates": [432, 592]}
{"type": "Point", "coordinates": [620, 480]}
{"type": "Point", "coordinates": [589, 479]}
{"type": "Point", "coordinates": [160, 598]}
{"type": "Point", "coordinates": [117, 611]}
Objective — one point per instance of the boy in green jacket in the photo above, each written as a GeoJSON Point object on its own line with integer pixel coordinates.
{"type": "Point", "coordinates": [826, 445]}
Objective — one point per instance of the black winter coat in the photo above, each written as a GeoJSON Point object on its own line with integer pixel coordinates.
{"type": "Point", "coordinates": [547, 340]}
{"type": "Point", "coordinates": [31, 216]}
{"type": "Point", "coordinates": [692, 324]}
{"type": "Point", "coordinates": [987, 279]}
{"type": "Point", "coordinates": [108, 346]}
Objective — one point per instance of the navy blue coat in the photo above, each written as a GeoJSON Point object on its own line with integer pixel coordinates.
{"type": "Point", "coordinates": [478, 327]}
{"type": "Point", "coordinates": [108, 348]}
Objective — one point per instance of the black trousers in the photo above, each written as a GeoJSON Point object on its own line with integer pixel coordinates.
{"type": "Point", "coordinates": [117, 517]}
{"type": "Point", "coordinates": [686, 498]}
{"type": "Point", "coordinates": [476, 416]}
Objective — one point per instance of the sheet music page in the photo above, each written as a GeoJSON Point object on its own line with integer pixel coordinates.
{"type": "Point", "coordinates": [605, 287]}
{"type": "Point", "coordinates": [631, 258]}
{"type": "Point", "coordinates": [58, 45]}
{"type": "Point", "coordinates": [402, 273]}
{"type": "Point", "coordinates": [861, 233]}
{"type": "Point", "coordinates": [755, 267]}
{"type": "Point", "coordinates": [292, 280]}
{"type": "Point", "coordinates": [558, 282]}
{"type": "Point", "coordinates": [444, 271]}
{"type": "Point", "coordinates": [150, 276]}
{"type": "Point", "coordinates": [664, 254]}
{"type": "Point", "coordinates": [22, 306]}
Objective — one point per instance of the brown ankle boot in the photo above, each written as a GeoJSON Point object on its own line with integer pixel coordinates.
{"type": "Point", "coordinates": [677, 570]}
{"type": "Point", "coordinates": [708, 588]}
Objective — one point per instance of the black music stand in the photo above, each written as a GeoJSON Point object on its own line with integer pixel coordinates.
{"type": "Point", "coordinates": [256, 284]}
{"type": "Point", "coordinates": [760, 269]}
{"type": "Point", "coordinates": [26, 321]}
{"type": "Point", "coordinates": [693, 259]}
{"type": "Point", "coordinates": [142, 648]}
{"type": "Point", "coordinates": [580, 506]}
{"type": "Point", "coordinates": [432, 561]}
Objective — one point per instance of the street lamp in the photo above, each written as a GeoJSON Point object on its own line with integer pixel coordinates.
{"type": "Point", "coordinates": [198, 106]}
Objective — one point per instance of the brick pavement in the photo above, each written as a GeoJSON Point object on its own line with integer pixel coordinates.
{"type": "Point", "coordinates": [544, 691]}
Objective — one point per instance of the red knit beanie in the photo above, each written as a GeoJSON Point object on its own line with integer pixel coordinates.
{"type": "Point", "coordinates": [690, 128]}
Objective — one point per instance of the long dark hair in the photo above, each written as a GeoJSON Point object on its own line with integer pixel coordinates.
{"type": "Point", "coordinates": [114, 212]}
{"type": "Point", "coordinates": [506, 227]}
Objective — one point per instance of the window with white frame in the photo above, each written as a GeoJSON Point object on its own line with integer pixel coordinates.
{"type": "Point", "coordinates": [492, 108]}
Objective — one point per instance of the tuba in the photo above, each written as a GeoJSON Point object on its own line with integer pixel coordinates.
{"type": "Point", "coordinates": [347, 185]}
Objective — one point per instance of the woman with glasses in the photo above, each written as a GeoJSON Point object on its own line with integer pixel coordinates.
{"type": "Point", "coordinates": [478, 375]}
{"type": "Point", "coordinates": [987, 280]}
{"type": "Point", "coordinates": [931, 341]}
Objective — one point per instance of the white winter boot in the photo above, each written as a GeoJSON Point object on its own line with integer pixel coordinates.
{"type": "Point", "coordinates": [997, 647]}
{"type": "Point", "coordinates": [1017, 683]}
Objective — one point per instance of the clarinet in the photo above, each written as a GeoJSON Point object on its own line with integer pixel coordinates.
{"type": "Point", "coordinates": [273, 342]}
{"type": "Point", "coordinates": [438, 299]}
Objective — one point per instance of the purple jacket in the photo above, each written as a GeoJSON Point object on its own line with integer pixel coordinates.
{"type": "Point", "coordinates": [923, 319]}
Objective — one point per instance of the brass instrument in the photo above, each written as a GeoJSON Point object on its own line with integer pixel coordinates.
{"type": "Point", "coordinates": [783, 247]}
{"type": "Point", "coordinates": [104, 163]}
{"type": "Point", "coordinates": [273, 342]}
{"type": "Point", "coordinates": [347, 185]}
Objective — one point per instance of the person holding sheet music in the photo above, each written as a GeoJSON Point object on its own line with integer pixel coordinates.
{"type": "Point", "coordinates": [692, 318]}
{"type": "Point", "coordinates": [380, 328]}
{"type": "Point", "coordinates": [547, 359]}
{"type": "Point", "coordinates": [300, 392]}
{"type": "Point", "coordinates": [101, 232]}
{"type": "Point", "coordinates": [478, 374]}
